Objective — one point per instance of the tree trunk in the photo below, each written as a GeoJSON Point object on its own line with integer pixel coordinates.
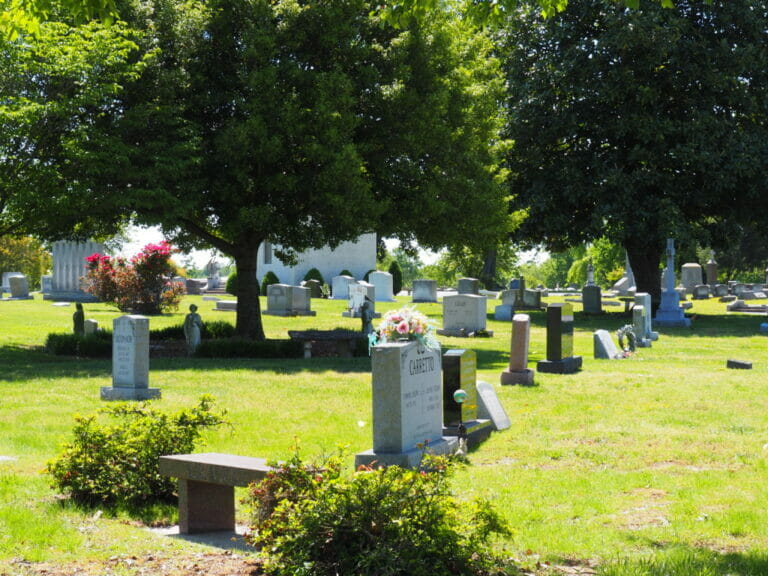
{"type": "Point", "coordinates": [488, 274]}
{"type": "Point", "coordinates": [249, 323]}
{"type": "Point", "coordinates": [645, 261]}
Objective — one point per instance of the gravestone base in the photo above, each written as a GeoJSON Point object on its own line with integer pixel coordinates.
{"type": "Point", "coordinates": [290, 313]}
{"type": "Point", "coordinates": [463, 333]}
{"type": "Point", "coordinates": [409, 459]}
{"type": "Point", "coordinates": [227, 306]}
{"type": "Point", "coordinates": [125, 393]}
{"type": "Point", "coordinates": [670, 313]}
{"type": "Point", "coordinates": [424, 300]}
{"type": "Point", "coordinates": [356, 314]}
{"type": "Point", "coordinates": [568, 365]}
{"type": "Point", "coordinates": [10, 298]}
{"type": "Point", "coordinates": [72, 296]}
{"type": "Point", "coordinates": [504, 313]}
{"type": "Point", "coordinates": [643, 343]}
{"type": "Point", "coordinates": [521, 377]}
{"type": "Point", "coordinates": [477, 431]}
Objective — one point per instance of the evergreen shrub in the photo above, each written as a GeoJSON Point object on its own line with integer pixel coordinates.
{"type": "Point", "coordinates": [114, 456]}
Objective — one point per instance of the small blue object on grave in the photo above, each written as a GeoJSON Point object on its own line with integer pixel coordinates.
{"type": "Point", "coordinates": [739, 365]}
{"type": "Point", "coordinates": [764, 327]}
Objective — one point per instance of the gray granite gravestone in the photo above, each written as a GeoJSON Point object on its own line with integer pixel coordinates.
{"type": "Point", "coordinates": [285, 300]}
{"type": "Point", "coordinates": [19, 287]}
{"type": "Point", "coordinates": [489, 407]}
{"type": "Point", "coordinates": [130, 360]}
{"type": "Point", "coordinates": [424, 291]}
{"type": "Point", "coordinates": [560, 358]}
{"type": "Point", "coordinates": [407, 406]}
{"type": "Point", "coordinates": [460, 372]}
{"type": "Point", "coordinates": [640, 319]}
{"type": "Point", "coordinates": [604, 347]}
{"type": "Point", "coordinates": [691, 275]}
{"type": "Point", "coordinates": [592, 299]}
{"type": "Point", "coordinates": [469, 286]}
{"type": "Point", "coordinates": [463, 315]}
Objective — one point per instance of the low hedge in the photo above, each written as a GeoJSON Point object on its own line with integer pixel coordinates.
{"type": "Point", "coordinates": [239, 348]}
{"type": "Point", "coordinates": [99, 345]}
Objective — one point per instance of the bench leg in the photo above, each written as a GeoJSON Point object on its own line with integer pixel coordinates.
{"type": "Point", "coordinates": [205, 507]}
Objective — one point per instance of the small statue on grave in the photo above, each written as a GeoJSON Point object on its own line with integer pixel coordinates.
{"type": "Point", "coordinates": [78, 319]}
{"type": "Point", "coordinates": [193, 325]}
{"type": "Point", "coordinates": [366, 315]}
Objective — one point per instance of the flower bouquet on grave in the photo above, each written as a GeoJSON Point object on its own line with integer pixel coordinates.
{"type": "Point", "coordinates": [407, 324]}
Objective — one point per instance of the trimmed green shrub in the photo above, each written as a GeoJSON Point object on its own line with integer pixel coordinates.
{"type": "Point", "coordinates": [216, 330]}
{"type": "Point", "coordinates": [312, 521]}
{"type": "Point", "coordinates": [368, 274]}
{"type": "Point", "coordinates": [314, 274]}
{"type": "Point", "coordinates": [346, 272]}
{"type": "Point", "coordinates": [98, 345]}
{"type": "Point", "coordinates": [117, 461]}
{"type": "Point", "coordinates": [397, 277]}
{"type": "Point", "coordinates": [231, 286]}
{"type": "Point", "coordinates": [238, 348]}
{"type": "Point", "coordinates": [269, 279]}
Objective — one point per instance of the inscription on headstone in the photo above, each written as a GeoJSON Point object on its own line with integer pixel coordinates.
{"type": "Point", "coordinates": [130, 360]}
{"type": "Point", "coordinates": [407, 405]}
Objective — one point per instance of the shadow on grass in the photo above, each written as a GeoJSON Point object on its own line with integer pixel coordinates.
{"type": "Point", "coordinates": [687, 561]}
{"type": "Point", "coordinates": [26, 363]}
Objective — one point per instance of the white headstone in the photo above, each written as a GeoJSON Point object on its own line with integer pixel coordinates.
{"type": "Point", "coordinates": [130, 360]}
{"type": "Point", "coordinates": [383, 285]}
{"type": "Point", "coordinates": [90, 327]}
{"type": "Point", "coordinates": [407, 405]}
{"type": "Point", "coordinates": [340, 287]}
{"type": "Point", "coordinates": [6, 280]}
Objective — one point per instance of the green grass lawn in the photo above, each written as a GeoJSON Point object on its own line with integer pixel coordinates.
{"type": "Point", "coordinates": [655, 464]}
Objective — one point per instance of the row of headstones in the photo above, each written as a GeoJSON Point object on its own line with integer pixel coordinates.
{"type": "Point", "coordinates": [17, 284]}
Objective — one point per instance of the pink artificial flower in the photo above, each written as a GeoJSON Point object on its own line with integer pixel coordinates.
{"type": "Point", "coordinates": [402, 328]}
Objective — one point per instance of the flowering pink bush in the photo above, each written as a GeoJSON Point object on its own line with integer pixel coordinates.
{"type": "Point", "coordinates": [141, 285]}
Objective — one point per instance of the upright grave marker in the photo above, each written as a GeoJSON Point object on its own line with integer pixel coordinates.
{"type": "Point", "coordinates": [463, 315]}
{"type": "Point", "coordinates": [360, 293]}
{"type": "Point", "coordinates": [130, 360]}
{"type": "Point", "coordinates": [518, 371]}
{"type": "Point", "coordinates": [424, 291]}
{"type": "Point", "coordinates": [407, 405]}
{"type": "Point", "coordinates": [460, 372]}
{"type": "Point", "coordinates": [560, 358]}
{"type": "Point", "coordinates": [670, 313]}
{"type": "Point", "coordinates": [383, 286]}
{"type": "Point", "coordinates": [469, 286]}
{"type": "Point", "coordinates": [340, 287]}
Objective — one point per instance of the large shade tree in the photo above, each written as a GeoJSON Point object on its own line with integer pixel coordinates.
{"type": "Point", "coordinates": [638, 125]}
{"type": "Point", "coordinates": [298, 123]}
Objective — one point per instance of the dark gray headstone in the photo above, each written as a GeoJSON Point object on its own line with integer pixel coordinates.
{"type": "Point", "coordinates": [459, 371]}
{"type": "Point", "coordinates": [739, 365]}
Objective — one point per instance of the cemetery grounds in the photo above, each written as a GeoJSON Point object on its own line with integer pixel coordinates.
{"type": "Point", "coordinates": [655, 464]}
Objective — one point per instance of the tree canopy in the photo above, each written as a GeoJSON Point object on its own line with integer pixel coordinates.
{"type": "Point", "coordinates": [638, 125]}
{"type": "Point", "coordinates": [298, 123]}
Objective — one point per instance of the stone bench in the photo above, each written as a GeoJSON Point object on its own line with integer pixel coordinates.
{"type": "Point", "coordinates": [206, 487]}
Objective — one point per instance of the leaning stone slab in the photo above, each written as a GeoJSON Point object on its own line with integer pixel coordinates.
{"type": "Point", "coordinates": [489, 407]}
{"type": "Point", "coordinates": [738, 365]}
{"type": "Point", "coordinates": [604, 347]}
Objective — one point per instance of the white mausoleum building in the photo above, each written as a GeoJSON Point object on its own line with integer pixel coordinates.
{"type": "Point", "coordinates": [358, 257]}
